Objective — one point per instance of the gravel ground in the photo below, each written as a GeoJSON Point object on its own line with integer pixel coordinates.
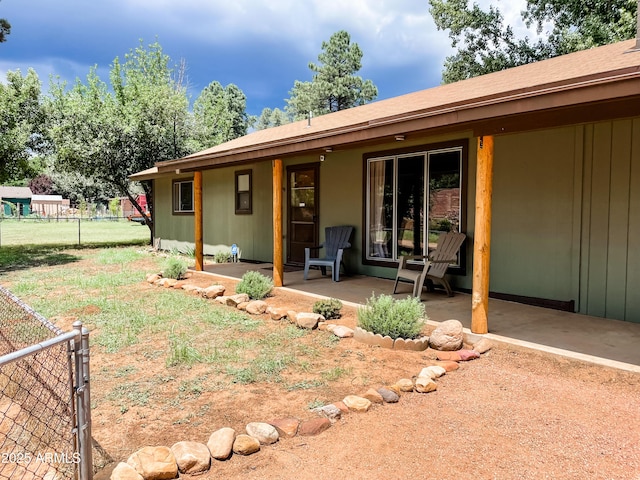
{"type": "Point", "coordinates": [513, 414]}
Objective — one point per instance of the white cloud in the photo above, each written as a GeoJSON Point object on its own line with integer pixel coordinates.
{"type": "Point", "coordinates": [389, 32]}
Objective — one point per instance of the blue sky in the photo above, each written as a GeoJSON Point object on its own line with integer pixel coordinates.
{"type": "Point", "coordinates": [261, 46]}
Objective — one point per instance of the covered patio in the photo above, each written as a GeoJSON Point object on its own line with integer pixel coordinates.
{"type": "Point", "coordinates": [598, 340]}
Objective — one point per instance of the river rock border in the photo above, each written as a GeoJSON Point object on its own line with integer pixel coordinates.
{"type": "Point", "coordinates": [190, 457]}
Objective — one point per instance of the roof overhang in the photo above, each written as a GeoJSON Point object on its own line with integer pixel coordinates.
{"type": "Point", "coordinates": [595, 100]}
{"type": "Point", "coordinates": [478, 105]}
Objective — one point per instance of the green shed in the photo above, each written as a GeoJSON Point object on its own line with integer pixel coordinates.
{"type": "Point", "coordinates": [16, 201]}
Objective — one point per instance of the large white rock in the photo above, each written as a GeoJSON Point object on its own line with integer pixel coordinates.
{"type": "Point", "coordinates": [265, 433]}
{"type": "Point", "coordinates": [124, 471]}
{"type": "Point", "coordinates": [221, 442]}
{"type": "Point", "coordinates": [257, 307]}
{"type": "Point", "coordinates": [357, 404]}
{"type": "Point", "coordinates": [191, 457]}
{"type": "Point", "coordinates": [425, 385]}
{"type": "Point", "coordinates": [432, 371]}
{"type": "Point", "coordinates": [154, 463]}
{"type": "Point", "coordinates": [447, 336]}
{"type": "Point", "coordinates": [308, 320]}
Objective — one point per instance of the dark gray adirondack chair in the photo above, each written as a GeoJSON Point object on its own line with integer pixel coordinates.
{"type": "Point", "coordinates": [335, 242]}
{"type": "Point", "coordinates": [435, 266]}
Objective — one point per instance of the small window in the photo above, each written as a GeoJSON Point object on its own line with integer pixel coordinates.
{"type": "Point", "coordinates": [243, 192]}
{"type": "Point", "coordinates": [183, 196]}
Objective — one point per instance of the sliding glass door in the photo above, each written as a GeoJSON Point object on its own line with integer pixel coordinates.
{"type": "Point", "coordinates": [411, 199]}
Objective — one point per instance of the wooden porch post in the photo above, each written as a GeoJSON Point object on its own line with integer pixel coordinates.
{"type": "Point", "coordinates": [482, 237]}
{"type": "Point", "coordinates": [197, 210]}
{"type": "Point", "coordinates": [278, 271]}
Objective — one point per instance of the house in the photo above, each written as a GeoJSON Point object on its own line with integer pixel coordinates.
{"type": "Point", "coordinates": [49, 205]}
{"type": "Point", "coordinates": [539, 165]}
{"type": "Point", "coordinates": [16, 201]}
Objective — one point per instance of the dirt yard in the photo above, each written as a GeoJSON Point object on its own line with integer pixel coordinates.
{"type": "Point", "coordinates": [512, 414]}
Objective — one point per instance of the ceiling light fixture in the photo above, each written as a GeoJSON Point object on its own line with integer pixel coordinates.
{"type": "Point", "coordinates": [399, 138]}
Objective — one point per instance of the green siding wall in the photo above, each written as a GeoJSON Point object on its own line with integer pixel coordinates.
{"type": "Point", "coordinates": [221, 226]}
{"type": "Point", "coordinates": [532, 214]}
{"type": "Point", "coordinates": [566, 213]}
{"type": "Point", "coordinates": [610, 242]}
{"type": "Point", "coordinates": [566, 210]}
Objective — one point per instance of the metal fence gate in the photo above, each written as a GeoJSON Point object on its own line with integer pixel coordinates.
{"type": "Point", "coordinates": [45, 411]}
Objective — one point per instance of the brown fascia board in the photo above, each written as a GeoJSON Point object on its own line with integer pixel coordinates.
{"type": "Point", "coordinates": [486, 111]}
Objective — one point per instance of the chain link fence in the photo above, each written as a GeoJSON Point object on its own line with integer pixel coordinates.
{"type": "Point", "coordinates": [19, 232]}
{"type": "Point", "coordinates": [45, 419]}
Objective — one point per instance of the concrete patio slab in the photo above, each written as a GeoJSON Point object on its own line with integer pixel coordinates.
{"type": "Point", "coordinates": [607, 342]}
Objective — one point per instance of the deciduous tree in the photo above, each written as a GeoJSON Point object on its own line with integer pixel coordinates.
{"type": "Point", "coordinates": [485, 44]}
{"type": "Point", "coordinates": [22, 125]}
{"type": "Point", "coordinates": [108, 134]}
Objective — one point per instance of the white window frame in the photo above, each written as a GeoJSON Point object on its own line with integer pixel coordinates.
{"type": "Point", "coordinates": [177, 196]}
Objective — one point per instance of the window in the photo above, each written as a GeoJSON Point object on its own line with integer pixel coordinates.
{"type": "Point", "coordinates": [411, 199]}
{"type": "Point", "coordinates": [183, 196]}
{"type": "Point", "coordinates": [243, 192]}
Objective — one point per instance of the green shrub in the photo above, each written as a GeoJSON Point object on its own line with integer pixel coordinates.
{"type": "Point", "coordinates": [254, 284]}
{"type": "Point", "coordinates": [329, 308]}
{"type": "Point", "coordinates": [174, 267]}
{"type": "Point", "coordinates": [395, 318]}
{"type": "Point", "coordinates": [222, 256]}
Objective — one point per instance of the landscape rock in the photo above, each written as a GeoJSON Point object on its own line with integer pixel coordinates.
{"type": "Point", "coordinates": [356, 403]}
{"type": "Point", "coordinates": [313, 427]}
{"type": "Point", "coordinates": [187, 287]}
{"type": "Point", "coordinates": [425, 385]}
{"type": "Point", "coordinates": [257, 307]}
{"type": "Point", "coordinates": [214, 291]}
{"type": "Point", "coordinates": [449, 366]}
{"type": "Point", "coordinates": [287, 427]}
{"type": "Point", "coordinates": [483, 345]}
{"type": "Point", "coordinates": [343, 408]}
{"type": "Point", "coordinates": [154, 463]}
{"type": "Point", "coordinates": [191, 457]}
{"type": "Point", "coordinates": [170, 282]}
{"type": "Point", "coordinates": [330, 411]}
{"type": "Point", "coordinates": [394, 388]}
{"type": "Point", "coordinates": [308, 320]}
{"type": "Point", "coordinates": [245, 445]}
{"type": "Point", "coordinates": [154, 277]}
{"type": "Point", "coordinates": [432, 371]}
{"type": "Point", "coordinates": [373, 396]}
{"type": "Point", "coordinates": [124, 471]}
{"type": "Point", "coordinates": [265, 433]}
{"type": "Point", "coordinates": [234, 300]}
{"type": "Point", "coordinates": [466, 355]}
{"type": "Point", "coordinates": [449, 356]}
{"type": "Point", "coordinates": [276, 313]}
{"type": "Point", "coordinates": [405, 385]}
{"type": "Point", "coordinates": [389, 396]}
{"type": "Point", "coordinates": [447, 336]}
{"type": "Point", "coordinates": [342, 332]}
{"type": "Point", "coordinates": [292, 315]}
{"type": "Point", "coordinates": [220, 443]}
